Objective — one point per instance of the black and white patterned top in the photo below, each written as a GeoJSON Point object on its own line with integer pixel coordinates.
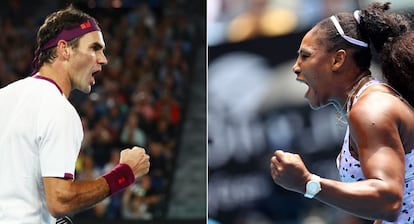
{"type": "Point", "coordinates": [350, 171]}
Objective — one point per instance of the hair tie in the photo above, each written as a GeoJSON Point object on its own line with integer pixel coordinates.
{"type": "Point", "coordinates": [357, 16]}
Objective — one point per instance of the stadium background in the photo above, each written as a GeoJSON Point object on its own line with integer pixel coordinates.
{"type": "Point", "coordinates": [151, 94]}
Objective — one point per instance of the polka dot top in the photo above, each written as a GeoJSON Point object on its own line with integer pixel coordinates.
{"type": "Point", "coordinates": [350, 171]}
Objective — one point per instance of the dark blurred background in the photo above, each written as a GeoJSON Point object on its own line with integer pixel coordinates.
{"type": "Point", "coordinates": [255, 106]}
{"type": "Point", "coordinates": [152, 94]}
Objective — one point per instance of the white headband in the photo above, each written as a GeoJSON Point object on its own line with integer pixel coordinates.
{"type": "Point", "coordinates": [347, 38]}
{"type": "Point", "coordinates": [357, 16]}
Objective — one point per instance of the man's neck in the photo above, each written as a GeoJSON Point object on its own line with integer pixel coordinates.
{"type": "Point", "coordinates": [59, 77]}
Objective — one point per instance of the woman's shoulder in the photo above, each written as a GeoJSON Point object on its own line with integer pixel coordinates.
{"type": "Point", "coordinates": [380, 107]}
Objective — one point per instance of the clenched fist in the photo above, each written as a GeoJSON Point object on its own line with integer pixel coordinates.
{"type": "Point", "coordinates": [289, 171]}
{"type": "Point", "coordinates": [137, 159]}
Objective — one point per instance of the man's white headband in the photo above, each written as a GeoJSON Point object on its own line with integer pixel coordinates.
{"type": "Point", "coordinates": [348, 38]}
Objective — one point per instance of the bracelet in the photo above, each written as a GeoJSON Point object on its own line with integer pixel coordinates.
{"type": "Point", "coordinates": [119, 178]}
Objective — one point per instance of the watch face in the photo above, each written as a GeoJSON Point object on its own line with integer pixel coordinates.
{"type": "Point", "coordinates": [313, 187]}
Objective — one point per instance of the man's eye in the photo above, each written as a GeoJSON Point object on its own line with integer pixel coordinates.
{"type": "Point", "coordinates": [96, 47]}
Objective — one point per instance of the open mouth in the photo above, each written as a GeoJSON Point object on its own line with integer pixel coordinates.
{"type": "Point", "coordinates": [95, 73]}
{"type": "Point", "coordinates": [92, 81]}
{"type": "Point", "coordinates": [305, 83]}
{"type": "Point", "coordinates": [301, 81]}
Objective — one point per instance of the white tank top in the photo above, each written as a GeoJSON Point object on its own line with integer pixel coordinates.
{"type": "Point", "coordinates": [350, 170]}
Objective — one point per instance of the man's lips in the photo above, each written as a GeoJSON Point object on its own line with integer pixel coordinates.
{"type": "Point", "coordinates": [92, 81]}
{"type": "Point", "coordinates": [96, 72]}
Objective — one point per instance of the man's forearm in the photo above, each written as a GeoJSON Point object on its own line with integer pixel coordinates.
{"type": "Point", "coordinates": [67, 196]}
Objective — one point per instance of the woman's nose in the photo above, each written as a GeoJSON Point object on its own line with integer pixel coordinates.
{"type": "Point", "coordinates": [296, 68]}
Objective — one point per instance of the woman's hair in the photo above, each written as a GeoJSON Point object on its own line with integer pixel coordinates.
{"type": "Point", "coordinates": [67, 18]}
{"type": "Point", "coordinates": [361, 55]}
{"type": "Point", "coordinates": [392, 36]}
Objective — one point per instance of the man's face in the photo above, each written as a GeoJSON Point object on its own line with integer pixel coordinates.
{"type": "Point", "coordinates": [86, 60]}
{"type": "Point", "coordinates": [312, 68]}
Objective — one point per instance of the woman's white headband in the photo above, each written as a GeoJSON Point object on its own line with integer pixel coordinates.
{"type": "Point", "coordinates": [343, 35]}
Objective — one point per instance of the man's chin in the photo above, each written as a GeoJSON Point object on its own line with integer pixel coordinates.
{"type": "Point", "coordinates": [86, 90]}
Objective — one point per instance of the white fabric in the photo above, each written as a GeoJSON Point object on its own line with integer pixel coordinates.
{"type": "Point", "coordinates": [40, 136]}
{"type": "Point", "coordinates": [357, 16]}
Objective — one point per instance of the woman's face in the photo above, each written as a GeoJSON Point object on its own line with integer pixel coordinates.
{"type": "Point", "coordinates": [313, 68]}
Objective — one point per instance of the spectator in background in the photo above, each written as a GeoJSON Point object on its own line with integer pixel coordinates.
{"type": "Point", "coordinates": [132, 133]}
{"type": "Point", "coordinates": [165, 133]}
{"type": "Point", "coordinates": [160, 163]}
{"type": "Point", "coordinates": [167, 107]}
{"type": "Point", "coordinates": [134, 205]}
{"type": "Point", "coordinates": [143, 106]}
{"type": "Point", "coordinates": [103, 140]}
{"type": "Point", "coordinates": [141, 201]}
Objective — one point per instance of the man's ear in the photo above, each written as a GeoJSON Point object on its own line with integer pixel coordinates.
{"type": "Point", "coordinates": [62, 49]}
{"type": "Point", "coordinates": [339, 59]}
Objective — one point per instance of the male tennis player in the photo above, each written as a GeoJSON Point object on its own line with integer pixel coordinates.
{"type": "Point", "coordinates": [41, 132]}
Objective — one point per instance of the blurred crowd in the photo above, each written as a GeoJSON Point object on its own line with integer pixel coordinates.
{"type": "Point", "coordinates": [139, 97]}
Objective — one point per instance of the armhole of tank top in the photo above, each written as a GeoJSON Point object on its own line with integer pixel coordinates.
{"type": "Point", "coordinates": [351, 149]}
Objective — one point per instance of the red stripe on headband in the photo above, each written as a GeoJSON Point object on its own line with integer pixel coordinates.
{"type": "Point", "coordinates": [85, 25]}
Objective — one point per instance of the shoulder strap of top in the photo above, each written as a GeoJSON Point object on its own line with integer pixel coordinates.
{"type": "Point", "coordinates": [363, 88]}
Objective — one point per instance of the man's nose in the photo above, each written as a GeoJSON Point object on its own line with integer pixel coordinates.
{"type": "Point", "coordinates": [102, 60]}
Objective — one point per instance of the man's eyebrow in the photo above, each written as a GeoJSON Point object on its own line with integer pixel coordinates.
{"type": "Point", "coordinates": [97, 45]}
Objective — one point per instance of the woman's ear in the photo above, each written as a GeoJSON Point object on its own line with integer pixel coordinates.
{"type": "Point", "coordinates": [339, 59]}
